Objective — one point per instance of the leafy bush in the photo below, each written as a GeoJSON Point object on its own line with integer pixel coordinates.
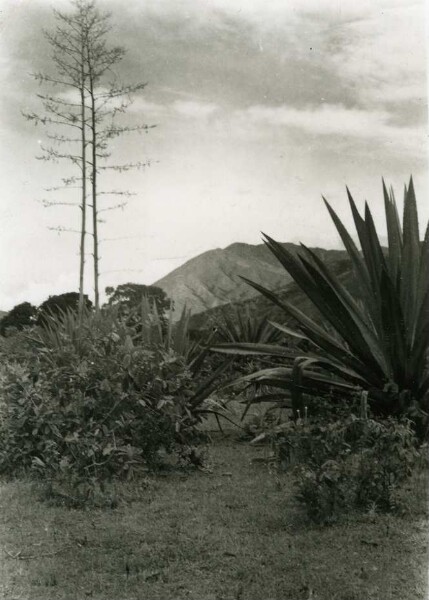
{"type": "Point", "coordinates": [91, 405]}
{"type": "Point", "coordinates": [176, 337]}
{"type": "Point", "coordinates": [355, 463]}
{"type": "Point", "coordinates": [16, 346]}
{"type": "Point", "coordinates": [97, 417]}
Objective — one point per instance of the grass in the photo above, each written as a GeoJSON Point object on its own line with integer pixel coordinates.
{"type": "Point", "coordinates": [233, 534]}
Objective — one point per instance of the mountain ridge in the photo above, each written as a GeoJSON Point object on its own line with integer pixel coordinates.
{"type": "Point", "coordinates": [213, 278]}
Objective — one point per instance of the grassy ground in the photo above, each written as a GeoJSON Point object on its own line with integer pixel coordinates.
{"type": "Point", "coordinates": [232, 534]}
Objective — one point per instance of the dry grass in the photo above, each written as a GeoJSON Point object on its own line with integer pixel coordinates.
{"type": "Point", "coordinates": [233, 534]}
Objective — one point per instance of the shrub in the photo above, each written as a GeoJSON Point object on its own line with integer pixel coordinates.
{"type": "Point", "coordinates": [91, 406]}
{"type": "Point", "coordinates": [15, 347]}
{"type": "Point", "coordinates": [347, 464]}
{"type": "Point", "coordinates": [95, 417]}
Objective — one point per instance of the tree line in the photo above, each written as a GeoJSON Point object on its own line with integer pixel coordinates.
{"type": "Point", "coordinates": [126, 297]}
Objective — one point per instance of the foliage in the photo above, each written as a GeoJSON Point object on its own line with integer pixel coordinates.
{"type": "Point", "coordinates": [92, 405]}
{"type": "Point", "coordinates": [57, 305]}
{"type": "Point", "coordinates": [241, 325]}
{"type": "Point", "coordinates": [21, 316]}
{"type": "Point", "coordinates": [16, 347]}
{"type": "Point", "coordinates": [65, 334]}
{"type": "Point", "coordinates": [172, 336]}
{"type": "Point", "coordinates": [69, 334]}
{"type": "Point", "coordinates": [377, 341]}
{"type": "Point", "coordinates": [176, 337]}
{"type": "Point", "coordinates": [80, 424]}
{"type": "Point", "coordinates": [245, 326]}
{"type": "Point", "coordinates": [129, 297]}
{"type": "Point", "coordinates": [356, 463]}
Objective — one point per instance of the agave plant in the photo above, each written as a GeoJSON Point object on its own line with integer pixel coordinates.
{"type": "Point", "coordinates": [174, 337]}
{"type": "Point", "coordinates": [242, 326]}
{"type": "Point", "coordinates": [376, 341]}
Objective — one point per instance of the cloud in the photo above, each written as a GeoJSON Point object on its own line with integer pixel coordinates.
{"type": "Point", "coordinates": [263, 12]}
{"type": "Point", "coordinates": [193, 109]}
{"type": "Point", "coordinates": [383, 55]}
{"type": "Point", "coordinates": [291, 52]}
{"type": "Point", "coordinates": [337, 120]}
{"type": "Point", "coordinates": [147, 107]}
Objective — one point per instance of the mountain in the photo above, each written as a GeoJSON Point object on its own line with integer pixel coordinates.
{"type": "Point", "coordinates": [212, 279]}
{"type": "Point", "coordinates": [260, 307]}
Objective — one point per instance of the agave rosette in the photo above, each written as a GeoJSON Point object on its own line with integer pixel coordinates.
{"type": "Point", "coordinates": [375, 341]}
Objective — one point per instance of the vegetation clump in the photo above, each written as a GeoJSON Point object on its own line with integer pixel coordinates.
{"type": "Point", "coordinates": [348, 464]}
{"type": "Point", "coordinates": [370, 344]}
{"type": "Point", "coordinates": [90, 404]}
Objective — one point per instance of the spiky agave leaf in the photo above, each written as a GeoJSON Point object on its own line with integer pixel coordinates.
{"type": "Point", "coordinates": [394, 235]}
{"type": "Point", "coordinates": [322, 338]}
{"type": "Point", "coordinates": [252, 349]}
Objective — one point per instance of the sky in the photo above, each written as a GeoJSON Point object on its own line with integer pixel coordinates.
{"type": "Point", "coordinates": [260, 107]}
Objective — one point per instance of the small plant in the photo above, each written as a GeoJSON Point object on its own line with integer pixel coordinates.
{"type": "Point", "coordinates": [324, 492]}
{"type": "Point", "coordinates": [347, 464]}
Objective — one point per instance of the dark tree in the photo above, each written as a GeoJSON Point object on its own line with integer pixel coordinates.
{"type": "Point", "coordinates": [129, 296]}
{"type": "Point", "coordinates": [21, 316]}
{"type": "Point", "coordinates": [61, 303]}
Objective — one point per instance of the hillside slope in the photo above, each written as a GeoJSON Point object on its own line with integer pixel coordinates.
{"type": "Point", "coordinates": [213, 279]}
{"type": "Point", "coordinates": [260, 307]}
